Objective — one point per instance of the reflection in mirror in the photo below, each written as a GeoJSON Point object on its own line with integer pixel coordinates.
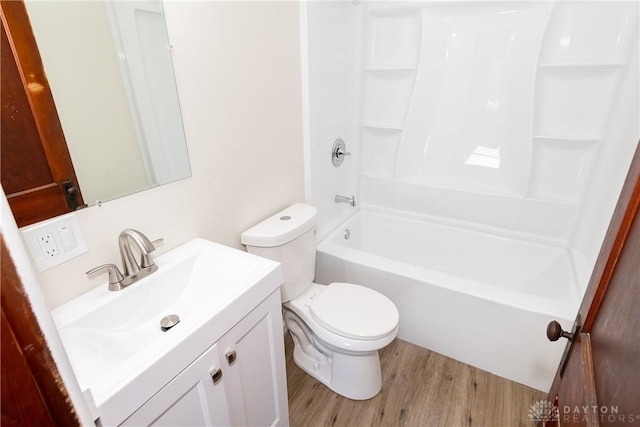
{"type": "Point", "coordinates": [109, 67]}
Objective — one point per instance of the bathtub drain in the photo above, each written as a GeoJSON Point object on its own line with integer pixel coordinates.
{"type": "Point", "coordinates": [347, 233]}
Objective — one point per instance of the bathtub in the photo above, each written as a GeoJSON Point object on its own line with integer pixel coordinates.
{"type": "Point", "coordinates": [482, 298]}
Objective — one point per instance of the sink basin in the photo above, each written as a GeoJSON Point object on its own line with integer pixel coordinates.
{"type": "Point", "coordinates": [117, 349]}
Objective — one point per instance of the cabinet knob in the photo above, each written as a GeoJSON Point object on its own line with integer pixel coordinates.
{"type": "Point", "coordinates": [216, 375]}
{"type": "Point", "coordinates": [231, 357]}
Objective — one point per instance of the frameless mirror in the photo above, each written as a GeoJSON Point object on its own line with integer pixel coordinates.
{"type": "Point", "coordinates": [110, 71]}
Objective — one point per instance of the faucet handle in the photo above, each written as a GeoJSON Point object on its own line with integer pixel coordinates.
{"type": "Point", "coordinates": [115, 277]}
{"type": "Point", "coordinates": [145, 260]}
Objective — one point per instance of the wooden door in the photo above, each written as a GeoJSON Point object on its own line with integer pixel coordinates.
{"type": "Point", "coordinates": [36, 170]}
{"type": "Point", "coordinates": [600, 384]}
{"type": "Point", "coordinates": [33, 393]}
{"type": "Point", "coordinates": [22, 402]}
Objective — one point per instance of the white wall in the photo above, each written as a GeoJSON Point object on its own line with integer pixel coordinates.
{"type": "Point", "coordinates": [605, 185]}
{"type": "Point", "coordinates": [237, 67]}
{"type": "Point", "coordinates": [334, 48]}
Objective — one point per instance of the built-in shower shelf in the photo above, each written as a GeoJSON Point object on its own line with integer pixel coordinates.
{"type": "Point", "coordinates": [378, 176]}
{"type": "Point", "coordinates": [392, 69]}
{"type": "Point", "coordinates": [580, 64]}
{"type": "Point", "coordinates": [569, 139]}
{"type": "Point", "coordinates": [388, 126]}
{"type": "Point", "coordinates": [549, 200]}
{"type": "Point", "coordinates": [558, 165]}
{"type": "Point", "coordinates": [391, 9]}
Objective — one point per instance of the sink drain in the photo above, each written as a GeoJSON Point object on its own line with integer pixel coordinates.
{"type": "Point", "coordinates": [169, 322]}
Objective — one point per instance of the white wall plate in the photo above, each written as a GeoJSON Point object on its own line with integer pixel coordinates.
{"type": "Point", "coordinates": [55, 241]}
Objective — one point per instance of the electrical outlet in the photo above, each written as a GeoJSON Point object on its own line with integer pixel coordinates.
{"type": "Point", "coordinates": [51, 251]}
{"type": "Point", "coordinates": [48, 245]}
{"type": "Point", "coordinates": [55, 241]}
{"type": "Point", "coordinates": [46, 239]}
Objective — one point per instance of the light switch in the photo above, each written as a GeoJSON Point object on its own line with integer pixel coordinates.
{"type": "Point", "coordinates": [67, 238]}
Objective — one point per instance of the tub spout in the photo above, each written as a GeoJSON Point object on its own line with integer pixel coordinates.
{"type": "Point", "coordinates": [344, 199]}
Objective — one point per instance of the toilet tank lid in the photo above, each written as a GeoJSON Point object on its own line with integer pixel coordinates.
{"type": "Point", "coordinates": [282, 227]}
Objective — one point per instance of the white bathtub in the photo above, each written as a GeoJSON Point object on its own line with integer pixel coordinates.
{"type": "Point", "coordinates": [481, 298]}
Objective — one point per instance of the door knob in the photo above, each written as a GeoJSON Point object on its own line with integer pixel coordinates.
{"type": "Point", "coordinates": [555, 332]}
{"type": "Point", "coordinates": [71, 195]}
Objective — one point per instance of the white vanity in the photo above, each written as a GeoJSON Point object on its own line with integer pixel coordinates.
{"type": "Point", "coordinates": [221, 364]}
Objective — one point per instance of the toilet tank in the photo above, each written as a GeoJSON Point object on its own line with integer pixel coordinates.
{"type": "Point", "coordinates": [288, 237]}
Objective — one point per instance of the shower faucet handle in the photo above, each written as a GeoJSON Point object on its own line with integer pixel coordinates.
{"type": "Point", "coordinates": [338, 152]}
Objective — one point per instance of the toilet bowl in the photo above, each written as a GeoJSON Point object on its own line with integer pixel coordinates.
{"type": "Point", "coordinates": [341, 351]}
{"type": "Point", "coordinates": [337, 329]}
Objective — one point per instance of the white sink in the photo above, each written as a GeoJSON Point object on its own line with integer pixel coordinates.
{"type": "Point", "coordinates": [119, 352]}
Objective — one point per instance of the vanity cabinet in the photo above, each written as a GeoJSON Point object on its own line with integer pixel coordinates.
{"type": "Point", "coordinates": [240, 380]}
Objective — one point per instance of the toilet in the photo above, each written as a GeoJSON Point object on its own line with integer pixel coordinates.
{"type": "Point", "coordinates": [337, 329]}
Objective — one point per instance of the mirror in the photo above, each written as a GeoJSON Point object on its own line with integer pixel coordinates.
{"type": "Point", "coordinates": [110, 71]}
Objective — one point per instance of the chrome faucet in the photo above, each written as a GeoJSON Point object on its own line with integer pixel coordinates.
{"type": "Point", "coordinates": [130, 266]}
{"type": "Point", "coordinates": [132, 271]}
{"type": "Point", "coordinates": [344, 199]}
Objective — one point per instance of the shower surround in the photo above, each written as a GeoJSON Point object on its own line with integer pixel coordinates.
{"type": "Point", "coordinates": [497, 134]}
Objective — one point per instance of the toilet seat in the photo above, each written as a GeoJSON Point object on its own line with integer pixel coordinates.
{"type": "Point", "coordinates": [301, 307]}
{"type": "Point", "coordinates": [349, 366]}
{"type": "Point", "coordinates": [354, 311]}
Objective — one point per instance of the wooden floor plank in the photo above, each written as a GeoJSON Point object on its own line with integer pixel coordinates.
{"type": "Point", "coordinates": [419, 388]}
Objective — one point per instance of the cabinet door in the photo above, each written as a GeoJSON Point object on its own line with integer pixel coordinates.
{"type": "Point", "coordinates": [254, 367]}
{"type": "Point", "coordinates": [196, 397]}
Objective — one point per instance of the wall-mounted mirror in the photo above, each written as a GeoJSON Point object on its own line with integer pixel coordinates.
{"type": "Point", "coordinates": [110, 71]}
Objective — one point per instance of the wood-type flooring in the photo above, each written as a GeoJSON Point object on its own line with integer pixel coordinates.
{"type": "Point", "coordinates": [419, 388]}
